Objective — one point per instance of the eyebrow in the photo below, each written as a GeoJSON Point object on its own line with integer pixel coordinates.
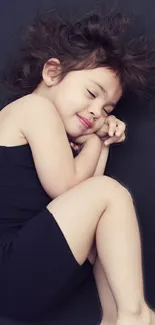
{"type": "Point", "coordinates": [104, 91]}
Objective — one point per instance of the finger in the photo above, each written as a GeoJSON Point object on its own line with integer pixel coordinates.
{"type": "Point", "coordinates": [114, 139]}
{"type": "Point", "coordinates": [120, 129]}
{"type": "Point", "coordinates": [110, 140]}
{"type": "Point", "coordinates": [74, 146]}
{"type": "Point", "coordinates": [121, 139]}
{"type": "Point", "coordinates": [112, 127]}
{"type": "Point", "coordinates": [112, 122]}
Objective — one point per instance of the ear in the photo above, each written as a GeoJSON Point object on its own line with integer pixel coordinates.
{"type": "Point", "coordinates": [50, 72]}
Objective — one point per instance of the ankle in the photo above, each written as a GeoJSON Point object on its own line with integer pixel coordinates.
{"type": "Point", "coordinates": [138, 311]}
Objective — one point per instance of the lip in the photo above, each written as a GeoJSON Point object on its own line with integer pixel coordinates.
{"type": "Point", "coordinates": [86, 122]}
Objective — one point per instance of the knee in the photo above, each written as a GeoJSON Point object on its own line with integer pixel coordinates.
{"type": "Point", "coordinates": [113, 189]}
{"type": "Point", "coordinates": [118, 192]}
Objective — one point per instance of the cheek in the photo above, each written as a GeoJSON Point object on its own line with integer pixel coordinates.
{"type": "Point", "coordinates": [73, 98]}
{"type": "Point", "coordinates": [70, 103]}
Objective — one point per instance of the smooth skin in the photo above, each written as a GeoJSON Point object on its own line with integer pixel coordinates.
{"type": "Point", "coordinates": [88, 207]}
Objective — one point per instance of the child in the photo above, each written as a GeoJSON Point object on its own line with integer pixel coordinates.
{"type": "Point", "coordinates": [57, 210]}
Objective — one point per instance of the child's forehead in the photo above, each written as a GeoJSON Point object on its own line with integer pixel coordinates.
{"type": "Point", "coordinates": [93, 74]}
{"type": "Point", "coordinates": [99, 76]}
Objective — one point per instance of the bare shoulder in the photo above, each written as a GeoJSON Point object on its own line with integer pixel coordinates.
{"type": "Point", "coordinates": [44, 130]}
{"type": "Point", "coordinates": [37, 106]}
{"type": "Point", "coordinates": [38, 115]}
{"type": "Point", "coordinates": [20, 118]}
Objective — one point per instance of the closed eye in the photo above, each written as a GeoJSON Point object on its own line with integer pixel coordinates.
{"type": "Point", "coordinates": [106, 111]}
{"type": "Point", "coordinates": [92, 95]}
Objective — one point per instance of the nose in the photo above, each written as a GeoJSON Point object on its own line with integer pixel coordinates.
{"type": "Point", "coordinates": [95, 111]}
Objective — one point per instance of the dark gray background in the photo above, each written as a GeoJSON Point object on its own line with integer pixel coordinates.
{"type": "Point", "coordinates": [132, 163]}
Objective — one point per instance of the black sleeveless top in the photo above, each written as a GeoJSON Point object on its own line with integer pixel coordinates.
{"type": "Point", "coordinates": [21, 193]}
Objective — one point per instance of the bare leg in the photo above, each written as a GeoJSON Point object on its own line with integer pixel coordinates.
{"type": "Point", "coordinates": [106, 297]}
{"type": "Point", "coordinates": [101, 205]}
{"type": "Point", "coordinates": [124, 260]}
{"type": "Point", "coordinates": [105, 294]}
{"type": "Point", "coordinates": [108, 303]}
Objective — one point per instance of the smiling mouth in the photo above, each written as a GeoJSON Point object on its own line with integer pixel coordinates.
{"type": "Point", "coordinates": [85, 122]}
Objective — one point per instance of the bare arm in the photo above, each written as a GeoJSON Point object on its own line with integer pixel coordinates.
{"type": "Point", "coordinates": [56, 168]}
{"type": "Point", "coordinates": [88, 159]}
{"type": "Point", "coordinates": [102, 161]}
{"type": "Point", "coordinates": [100, 169]}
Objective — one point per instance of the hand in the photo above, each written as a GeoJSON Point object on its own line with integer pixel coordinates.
{"type": "Point", "coordinates": [112, 131]}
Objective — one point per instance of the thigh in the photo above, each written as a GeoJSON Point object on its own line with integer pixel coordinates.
{"type": "Point", "coordinates": [78, 211]}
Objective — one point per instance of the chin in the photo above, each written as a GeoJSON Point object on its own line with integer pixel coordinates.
{"type": "Point", "coordinates": [74, 133]}
{"type": "Point", "coordinates": [73, 136]}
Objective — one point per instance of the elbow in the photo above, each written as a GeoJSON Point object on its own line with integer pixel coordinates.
{"type": "Point", "coordinates": [60, 188]}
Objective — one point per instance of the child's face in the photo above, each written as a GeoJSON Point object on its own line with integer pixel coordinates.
{"type": "Point", "coordinates": [90, 94]}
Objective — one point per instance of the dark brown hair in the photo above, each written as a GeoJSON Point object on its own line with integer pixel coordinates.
{"type": "Point", "coordinates": [96, 40]}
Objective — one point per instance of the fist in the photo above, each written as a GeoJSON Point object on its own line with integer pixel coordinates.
{"type": "Point", "coordinates": [112, 131]}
